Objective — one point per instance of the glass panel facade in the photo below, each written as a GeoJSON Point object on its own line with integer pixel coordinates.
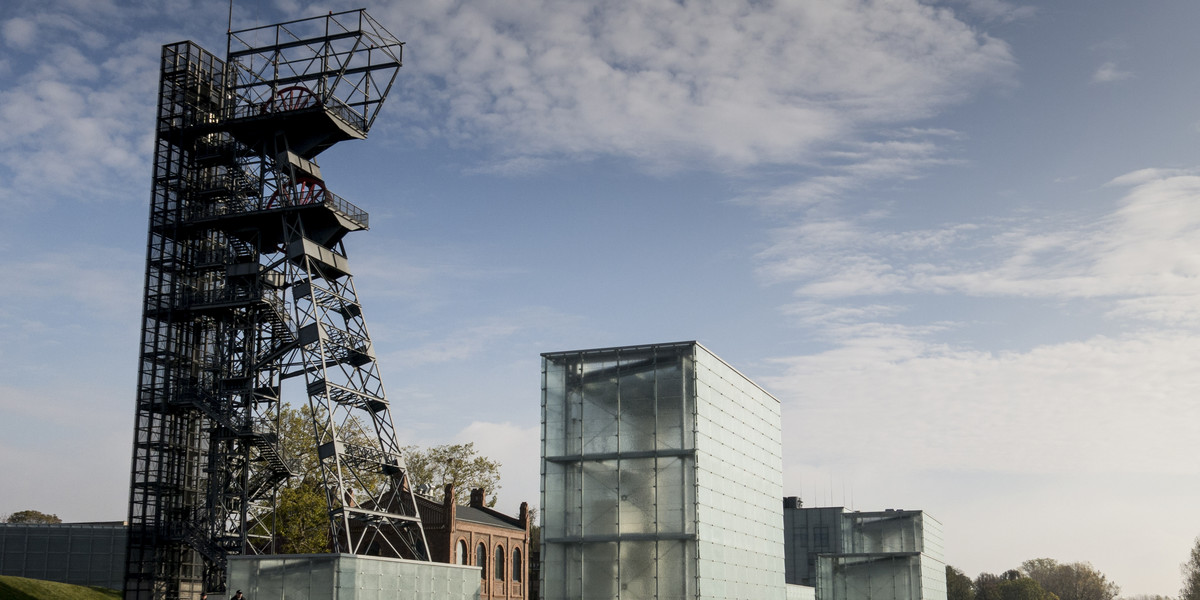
{"type": "Point", "coordinates": [879, 577]}
{"type": "Point", "coordinates": [627, 510]}
{"type": "Point", "coordinates": [806, 533]}
{"type": "Point", "coordinates": [346, 577]}
{"type": "Point", "coordinates": [888, 555]}
{"type": "Point", "coordinates": [739, 484]}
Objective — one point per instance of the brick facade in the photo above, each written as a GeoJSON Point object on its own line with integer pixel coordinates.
{"type": "Point", "coordinates": [450, 529]}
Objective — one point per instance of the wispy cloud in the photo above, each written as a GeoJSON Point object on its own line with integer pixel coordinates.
{"type": "Point", "coordinates": [1142, 254]}
{"type": "Point", "coordinates": [856, 166]}
{"type": "Point", "coordinates": [95, 281]}
{"type": "Point", "coordinates": [995, 10]}
{"type": "Point", "coordinates": [18, 33]}
{"type": "Point", "coordinates": [77, 100]}
{"type": "Point", "coordinates": [469, 340]}
{"type": "Point", "coordinates": [1110, 72]}
{"type": "Point", "coordinates": [1124, 398]}
{"type": "Point", "coordinates": [729, 84]}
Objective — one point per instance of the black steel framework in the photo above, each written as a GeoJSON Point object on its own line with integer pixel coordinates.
{"type": "Point", "coordinates": [248, 285]}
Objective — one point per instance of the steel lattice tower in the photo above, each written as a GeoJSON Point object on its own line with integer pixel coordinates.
{"type": "Point", "coordinates": [247, 285]}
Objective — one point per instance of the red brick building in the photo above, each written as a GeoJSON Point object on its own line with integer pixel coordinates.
{"type": "Point", "coordinates": [477, 535]}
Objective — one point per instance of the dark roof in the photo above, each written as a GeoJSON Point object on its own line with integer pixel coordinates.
{"type": "Point", "coordinates": [614, 350]}
{"type": "Point", "coordinates": [484, 516]}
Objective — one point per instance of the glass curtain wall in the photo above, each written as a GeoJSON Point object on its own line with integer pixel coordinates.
{"type": "Point", "coordinates": [627, 511]}
{"type": "Point", "coordinates": [889, 555]}
{"type": "Point", "coordinates": [739, 481]}
{"type": "Point", "coordinates": [618, 474]}
{"type": "Point", "coordinates": [878, 577]}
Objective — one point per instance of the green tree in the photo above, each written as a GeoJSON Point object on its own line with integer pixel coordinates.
{"type": "Point", "coordinates": [1022, 588]}
{"type": "Point", "coordinates": [987, 586]}
{"type": "Point", "coordinates": [1074, 581]}
{"type": "Point", "coordinates": [303, 520]}
{"type": "Point", "coordinates": [301, 514]}
{"type": "Point", "coordinates": [1191, 574]}
{"type": "Point", "coordinates": [958, 585]}
{"type": "Point", "coordinates": [459, 464]}
{"type": "Point", "coordinates": [298, 443]}
{"type": "Point", "coordinates": [32, 516]}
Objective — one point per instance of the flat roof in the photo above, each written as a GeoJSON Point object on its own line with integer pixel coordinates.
{"type": "Point", "coordinates": [643, 347]}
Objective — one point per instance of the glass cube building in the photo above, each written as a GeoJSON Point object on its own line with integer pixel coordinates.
{"type": "Point", "coordinates": [885, 555]}
{"type": "Point", "coordinates": [661, 477]}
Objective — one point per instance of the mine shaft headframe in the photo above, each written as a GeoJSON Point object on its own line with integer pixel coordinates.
{"type": "Point", "coordinates": [345, 62]}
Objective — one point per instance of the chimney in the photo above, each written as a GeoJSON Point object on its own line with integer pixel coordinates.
{"type": "Point", "coordinates": [448, 505]}
{"type": "Point", "coordinates": [477, 498]}
{"type": "Point", "coordinates": [524, 516]}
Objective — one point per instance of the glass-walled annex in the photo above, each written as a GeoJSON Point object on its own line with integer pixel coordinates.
{"type": "Point", "coordinates": [661, 475]}
{"type": "Point", "coordinates": [887, 555]}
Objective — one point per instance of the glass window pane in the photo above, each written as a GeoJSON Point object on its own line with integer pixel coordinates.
{"type": "Point", "coordinates": [637, 489]}
{"type": "Point", "coordinates": [600, 408]}
{"type": "Point", "coordinates": [639, 576]}
{"type": "Point", "coordinates": [600, 497]}
{"type": "Point", "coordinates": [600, 571]}
{"type": "Point", "coordinates": [637, 404]}
{"type": "Point", "coordinates": [670, 495]}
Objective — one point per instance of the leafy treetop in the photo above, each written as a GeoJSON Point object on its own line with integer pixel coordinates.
{"type": "Point", "coordinates": [32, 516]}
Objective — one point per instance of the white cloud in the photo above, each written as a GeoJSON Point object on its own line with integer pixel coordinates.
{"type": "Point", "coordinates": [1148, 175]}
{"type": "Point", "coordinates": [96, 281]}
{"type": "Point", "coordinates": [459, 345]}
{"type": "Point", "coordinates": [1142, 256]}
{"type": "Point", "coordinates": [1097, 405]}
{"type": "Point", "coordinates": [19, 33]}
{"type": "Point", "coordinates": [77, 108]}
{"type": "Point", "coordinates": [518, 449]}
{"type": "Point", "coordinates": [995, 10]}
{"type": "Point", "coordinates": [726, 83]}
{"type": "Point", "coordinates": [1109, 72]}
{"type": "Point", "coordinates": [74, 127]}
{"type": "Point", "coordinates": [857, 165]}
{"type": "Point", "coordinates": [465, 341]}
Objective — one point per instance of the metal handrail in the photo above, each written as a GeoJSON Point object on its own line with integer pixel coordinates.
{"type": "Point", "coordinates": [333, 105]}
{"type": "Point", "coordinates": [240, 204]}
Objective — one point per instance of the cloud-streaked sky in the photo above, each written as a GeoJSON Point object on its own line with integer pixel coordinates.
{"type": "Point", "coordinates": [959, 241]}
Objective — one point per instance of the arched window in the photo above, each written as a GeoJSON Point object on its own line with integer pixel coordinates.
{"type": "Point", "coordinates": [481, 560]}
{"type": "Point", "coordinates": [516, 565]}
{"type": "Point", "coordinates": [460, 552]}
{"type": "Point", "coordinates": [500, 563]}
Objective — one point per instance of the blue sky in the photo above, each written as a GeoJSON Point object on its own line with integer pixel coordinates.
{"type": "Point", "coordinates": [959, 241]}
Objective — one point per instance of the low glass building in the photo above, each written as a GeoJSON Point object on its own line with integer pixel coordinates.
{"type": "Point", "coordinates": [885, 555]}
{"type": "Point", "coordinates": [661, 477]}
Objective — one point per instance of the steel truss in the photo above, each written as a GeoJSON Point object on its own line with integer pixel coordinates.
{"type": "Point", "coordinates": [247, 285]}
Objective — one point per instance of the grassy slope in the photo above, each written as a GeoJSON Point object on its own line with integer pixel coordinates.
{"type": "Point", "coordinates": [20, 588]}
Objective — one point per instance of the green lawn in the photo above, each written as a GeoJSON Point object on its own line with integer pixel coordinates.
{"type": "Point", "coordinates": [20, 588]}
